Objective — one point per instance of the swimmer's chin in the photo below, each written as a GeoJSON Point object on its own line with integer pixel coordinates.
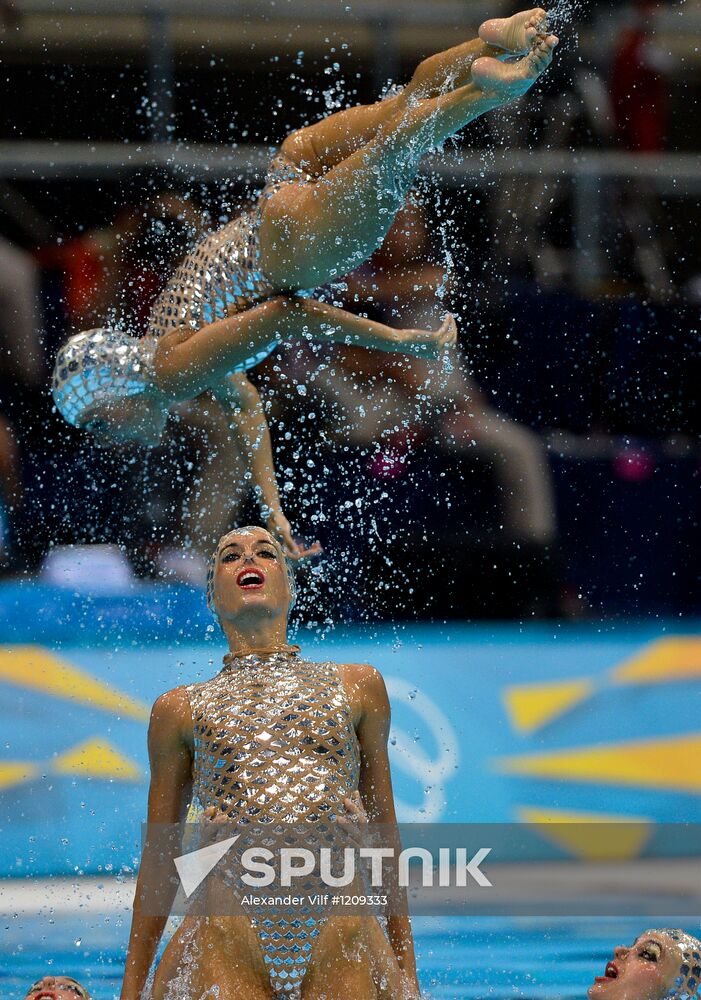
{"type": "Point", "coordinates": [144, 439]}
{"type": "Point", "coordinates": [137, 420]}
{"type": "Point", "coordinates": [150, 440]}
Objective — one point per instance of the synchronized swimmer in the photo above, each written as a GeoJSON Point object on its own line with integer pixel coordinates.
{"type": "Point", "coordinates": [57, 987]}
{"type": "Point", "coordinates": [332, 193]}
{"type": "Point", "coordinates": [272, 739]}
{"type": "Point", "coordinates": [661, 964]}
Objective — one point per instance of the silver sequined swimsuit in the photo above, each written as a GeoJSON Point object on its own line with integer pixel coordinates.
{"type": "Point", "coordinates": [274, 743]}
{"type": "Point", "coordinates": [222, 276]}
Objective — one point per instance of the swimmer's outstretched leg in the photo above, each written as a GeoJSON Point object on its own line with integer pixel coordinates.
{"type": "Point", "coordinates": [321, 146]}
{"type": "Point", "coordinates": [311, 233]}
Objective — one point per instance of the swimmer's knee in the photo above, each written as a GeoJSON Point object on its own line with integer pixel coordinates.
{"type": "Point", "coordinates": [298, 147]}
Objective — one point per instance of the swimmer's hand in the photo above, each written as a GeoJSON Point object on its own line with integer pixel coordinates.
{"type": "Point", "coordinates": [213, 814]}
{"type": "Point", "coordinates": [354, 819]}
{"type": "Point", "coordinates": [430, 344]}
{"type": "Point", "coordinates": [211, 819]}
{"type": "Point", "coordinates": [278, 525]}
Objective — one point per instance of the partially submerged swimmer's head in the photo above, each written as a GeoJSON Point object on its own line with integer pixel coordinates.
{"type": "Point", "coordinates": [102, 383]}
{"type": "Point", "coordinates": [660, 964]}
{"type": "Point", "coordinates": [249, 572]}
{"type": "Point", "coordinates": [51, 987]}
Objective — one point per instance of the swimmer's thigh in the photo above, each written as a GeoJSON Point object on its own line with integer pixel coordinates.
{"type": "Point", "coordinates": [352, 958]}
{"type": "Point", "coordinates": [204, 963]}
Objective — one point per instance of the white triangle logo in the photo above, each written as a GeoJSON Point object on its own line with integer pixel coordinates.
{"type": "Point", "coordinates": [193, 868]}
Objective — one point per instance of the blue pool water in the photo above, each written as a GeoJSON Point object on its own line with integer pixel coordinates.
{"type": "Point", "coordinates": [458, 958]}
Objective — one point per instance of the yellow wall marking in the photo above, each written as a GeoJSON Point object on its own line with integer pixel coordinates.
{"type": "Point", "coordinates": [37, 669]}
{"type": "Point", "coordinates": [665, 660]}
{"type": "Point", "coordinates": [590, 836]}
{"type": "Point", "coordinates": [532, 706]}
{"type": "Point", "coordinates": [16, 772]}
{"type": "Point", "coordinates": [668, 764]}
{"type": "Point", "coordinates": [96, 759]}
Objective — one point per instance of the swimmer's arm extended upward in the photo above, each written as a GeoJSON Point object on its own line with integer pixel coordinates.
{"type": "Point", "coordinates": [170, 756]}
{"type": "Point", "coordinates": [249, 428]}
{"type": "Point", "coordinates": [376, 793]}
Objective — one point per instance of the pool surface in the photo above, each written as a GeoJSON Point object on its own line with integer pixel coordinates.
{"type": "Point", "coordinates": [458, 958]}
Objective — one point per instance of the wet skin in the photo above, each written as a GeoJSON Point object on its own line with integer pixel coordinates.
{"type": "Point", "coordinates": [142, 419]}
{"type": "Point", "coordinates": [644, 971]}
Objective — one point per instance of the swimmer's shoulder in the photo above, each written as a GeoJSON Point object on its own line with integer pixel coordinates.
{"type": "Point", "coordinates": [171, 718]}
{"type": "Point", "coordinates": [365, 687]}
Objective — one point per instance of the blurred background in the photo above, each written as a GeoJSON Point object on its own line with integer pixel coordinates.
{"type": "Point", "coordinates": [551, 472]}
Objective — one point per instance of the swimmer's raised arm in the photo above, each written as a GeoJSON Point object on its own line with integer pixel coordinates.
{"type": "Point", "coordinates": [187, 364]}
{"type": "Point", "coordinates": [375, 788]}
{"type": "Point", "coordinates": [170, 755]}
{"type": "Point", "coordinates": [249, 428]}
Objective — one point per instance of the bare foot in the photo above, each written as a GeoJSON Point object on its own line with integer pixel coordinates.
{"type": "Point", "coordinates": [506, 81]}
{"type": "Point", "coordinates": [517, 33]}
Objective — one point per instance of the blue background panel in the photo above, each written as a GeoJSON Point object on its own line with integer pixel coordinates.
{"type": "Point", "coordinates": [449, 686]}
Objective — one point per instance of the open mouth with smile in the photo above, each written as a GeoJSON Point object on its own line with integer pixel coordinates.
{"type": "Point", "coordinates": [610, 973]}
{"type": "Point", "coordinates": [251, 578]}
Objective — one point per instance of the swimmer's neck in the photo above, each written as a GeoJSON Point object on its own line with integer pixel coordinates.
{"type": "Point", "coordinates": [263, 635]}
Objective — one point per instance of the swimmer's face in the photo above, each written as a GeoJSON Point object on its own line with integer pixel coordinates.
{"type": "Point", "coordinates": [645, 971]}
{"type": "Point", "coordinates": [57, 988]}
{"type": "Point", "coordinates": [132, 420]}
{"type": "Point", "coordinates": [250, 575]}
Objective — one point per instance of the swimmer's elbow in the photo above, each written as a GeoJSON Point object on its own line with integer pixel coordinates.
{"type": "Point", "coordinates": [170, 375]}
{"type": "Point", "coordinates": [242, 394]}
{"type": "Point", "coordinates": [297, 147]}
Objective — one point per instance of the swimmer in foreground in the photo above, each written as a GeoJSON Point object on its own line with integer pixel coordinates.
{"type": "Point", "coordinates": [326, 763]}
{"type": "Point", "coordinates": [57, 988]}
{"type": "Point", "coordinates": [332, 193]}
{"type": "Point", "coordinates": [660, 964]}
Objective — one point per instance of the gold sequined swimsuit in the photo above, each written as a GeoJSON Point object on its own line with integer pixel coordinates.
{"type": "Point", "coordinates": [274, 743]}
{"type": "Point", "coordinates": [222, 276]}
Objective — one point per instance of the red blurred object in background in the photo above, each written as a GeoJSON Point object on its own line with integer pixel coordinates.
{"type": "Point", "coordinates": [634, 465]}
{"type": "Point", "coordinates": [638, 88]}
